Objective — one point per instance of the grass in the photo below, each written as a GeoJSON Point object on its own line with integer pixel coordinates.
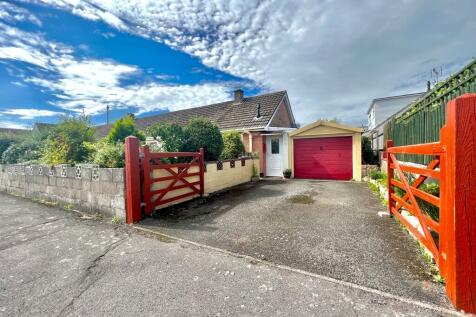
{"type": "Point", "coordinates": [116, 220]}
{"type": "Point", "coordinates": [434, 271]}
{"type": "Point", "coordinates": [374, 188]}
{"type": "Point", "coordinates": [68, 207]}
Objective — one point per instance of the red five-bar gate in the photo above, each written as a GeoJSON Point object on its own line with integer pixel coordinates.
{"type": "Point", "coordinates": [454, 166]}
{"type": "Point", "coordinates": [152, 182]}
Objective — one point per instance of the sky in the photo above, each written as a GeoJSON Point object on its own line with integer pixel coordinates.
{"type": "Point", "coordinates": [148, 57]}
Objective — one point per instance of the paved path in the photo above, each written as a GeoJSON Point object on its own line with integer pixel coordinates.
{"type": "Point", "coordinates": [328, 228]}
{"type": "Point", "coordinates": [54, 264]}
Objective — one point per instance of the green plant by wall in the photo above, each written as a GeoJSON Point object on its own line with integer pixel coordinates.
{"type": "Point", "coordinates": [24, 152]}
{"type": "Point", "coordinates": [109, 155]}
{"type": "Point", "coordinates": [9, 138]}
{"type": "Point", "coordinates": [376, 174]}
{"type": "Point", "coordinates": [123, 128]}
{"type": "Point", "coordinates": [232, 145]}
{"type": "Point", "coordinates": [201, 132]}
{"type": "Point", "coordinates": [70, 141]}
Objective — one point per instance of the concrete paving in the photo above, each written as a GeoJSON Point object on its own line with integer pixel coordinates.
{"type": "Point", "coordinates": [54, 264]}
{"type": "Point", "coordinates": [328, 228]}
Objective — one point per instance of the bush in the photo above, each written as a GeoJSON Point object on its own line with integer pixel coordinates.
{"type": "Point", "coordinates": [201, 132]}
{"type": "Point", "coordinates": [9, 138]}
{"type": "Point", "coordinates": [169, 135]}
{"type": "Point", "coordinates": [376, 174]}
{"type": "Point", "coordinates": [25, 152]}
{"type": "Point", "coordinates": [109, 155]}
{"type": "Point", "coordinates": [69, 142]}
{"type": "Point", "coordinates": [123, 128]}
{"type": "Point", "coordinates": [232, 145]}
{"type": "Point", "coordinates": [368, 155]}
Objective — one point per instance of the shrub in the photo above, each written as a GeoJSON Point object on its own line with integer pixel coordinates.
{"type": "Point", "coordinates": [169, 135]}
{"type": "Point", "coordinates": [123, 128]}
{"type": "Point", "coordinates": [24, 152]}
{"type": "Point", "coordinates": [232, 145]}
{"type": "Point", "coordinates": [109, 155]}
{"type": "Point", "coordinates": [376, 174]}
{"type": "Point", "coordinates": [201, 132]}
{"type": "Point", "coordinates": [69, 142]}
{"type": "Point", "coordinates": [9, 138]}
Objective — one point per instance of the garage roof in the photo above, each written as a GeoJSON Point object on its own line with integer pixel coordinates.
{"type": "Point", "coordinates": [327, 124]}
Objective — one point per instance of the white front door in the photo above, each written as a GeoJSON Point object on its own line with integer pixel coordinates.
{"type": "Point", "coordinates": [274, 150]}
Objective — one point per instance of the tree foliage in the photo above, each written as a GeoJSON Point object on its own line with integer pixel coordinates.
{"type": "Point", "coordinates": [123, 128]}
{"type": "Point", "coordinates": [69, 142]}
{"type": "Point", "coordinates": [169, 135]}
{"type": "Point", "coordinates": [232, 145]}
{"type": "Point", "coordinates": [201, 132]}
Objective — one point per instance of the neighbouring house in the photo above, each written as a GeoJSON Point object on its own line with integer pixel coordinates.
{"type": "Point", "coordinates": [325, 150]}
{"type": "Point", "coordinates": [382, 110]}
{"type": "Point", "coordinates": [14, 131]}
{"type": "Point", "coordinates": [262, 120]}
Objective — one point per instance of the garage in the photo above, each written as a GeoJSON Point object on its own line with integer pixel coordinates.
{"type": "Point", "coordinates": [326, 150]}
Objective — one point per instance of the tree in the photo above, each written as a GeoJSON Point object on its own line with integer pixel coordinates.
{"type": "Point", "coordinates": [169, 135]}
{"type": "Point", "coordinates": [368, 155]}
{"type": "Point", "coordinates": [123, 128]}
{"type": "Point", "coordinates": [232, 145]}
{"type": "Point", "coordinates": [69, 142]}
{"type": "Point", "coordinates": [201, 132]}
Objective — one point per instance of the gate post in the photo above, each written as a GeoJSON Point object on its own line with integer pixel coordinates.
{"type": "Point", "coordinates": [390, 190]}
{"type": "Point", "coordinates": [133, 199]}
{"type": "Point", "coordinates": [458, 205]}
{"type": "Point", "coordinates": [201, 161]}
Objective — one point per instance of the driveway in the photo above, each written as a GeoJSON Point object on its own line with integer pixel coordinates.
{"type": "Point", "coordinates": [324, 227]}
{"type": "Point", "coordinates": [55, 264]}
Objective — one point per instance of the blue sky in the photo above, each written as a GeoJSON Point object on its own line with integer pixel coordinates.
{"type": "Point", "coordinates": [149, 57]}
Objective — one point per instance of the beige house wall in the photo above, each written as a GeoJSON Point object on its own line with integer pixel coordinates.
{"type": "Point", "coordinates": [330, 131]}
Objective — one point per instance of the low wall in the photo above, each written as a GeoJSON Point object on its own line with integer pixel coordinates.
{"type": "Point", "coordinates": [229, 174]}
{"type": "Point", "coordinates": [85, 188]}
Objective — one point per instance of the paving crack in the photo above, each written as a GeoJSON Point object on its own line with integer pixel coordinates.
{"type": "Point", "coordinates": [91, 276]}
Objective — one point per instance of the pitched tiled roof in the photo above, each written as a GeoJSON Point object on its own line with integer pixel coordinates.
{"type": "Point", "coordinates": [14, 131]}
{"type": "Point", "coordinates": [226, 115]}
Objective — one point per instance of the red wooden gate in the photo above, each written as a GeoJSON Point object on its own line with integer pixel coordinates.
{"type": "Point", "coordinates": [454, 167]}
{"type": "Point", "coordinates": [163, 183]}
{"type": "Point", "coordinates": [153, 182]}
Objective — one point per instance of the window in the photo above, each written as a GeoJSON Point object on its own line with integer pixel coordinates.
{"type": "Point", "coordinates": [275, 146]}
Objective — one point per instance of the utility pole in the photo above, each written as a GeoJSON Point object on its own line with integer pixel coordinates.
{"type": "Point", "coordinates": [107, 114]}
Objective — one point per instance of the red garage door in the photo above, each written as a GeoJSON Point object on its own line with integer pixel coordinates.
{"type": "Point", "coordinates": [323, 158]}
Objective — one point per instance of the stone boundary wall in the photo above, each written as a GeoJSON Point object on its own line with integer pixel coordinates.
{"type": "Point", "coordinates": [86, 188]}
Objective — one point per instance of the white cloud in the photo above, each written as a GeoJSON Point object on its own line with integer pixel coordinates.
{"type": "Point", "coordinates": [90, 85]}
{"type": "Point", "coordinates": [31, 113]}
{"type": "Point", "coordinates": [332, 57]}
{"type": "Point", "coordinates": [12, 13]}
